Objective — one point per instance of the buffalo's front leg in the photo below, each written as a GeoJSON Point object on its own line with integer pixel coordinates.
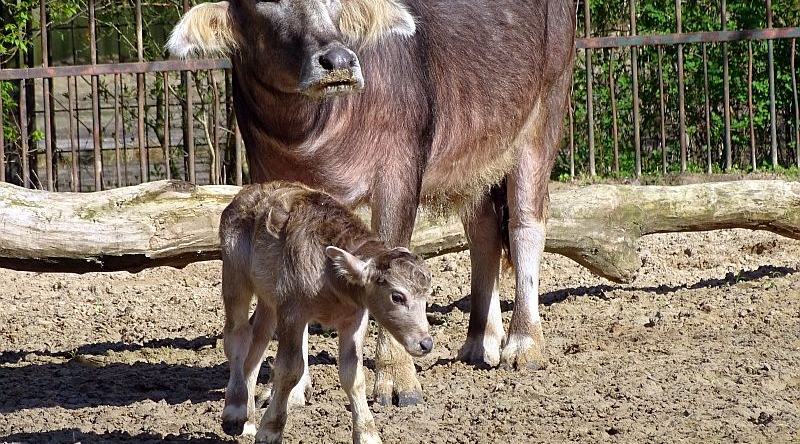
{"type": "Point", "coordinates": [485, 333]}
{"type": "Point", "coordinates": [394, 209]}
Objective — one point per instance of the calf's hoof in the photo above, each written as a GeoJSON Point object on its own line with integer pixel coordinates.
{"type": "Point", "coordinates": [397, 384]}
{"type": "Point", "coordinates": [523, 353]}
{"type": "Point", "coordinates": [367, 438]}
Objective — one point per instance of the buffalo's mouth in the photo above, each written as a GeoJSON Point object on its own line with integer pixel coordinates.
{"type": "Point", "coordinates": [335, 83]}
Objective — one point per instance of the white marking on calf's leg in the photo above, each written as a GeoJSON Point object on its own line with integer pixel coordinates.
{"type": "Point", "coordinates": [297, 398]}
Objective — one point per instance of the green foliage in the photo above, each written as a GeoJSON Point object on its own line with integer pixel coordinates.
{"type": "Point", "coordinates": [659, 17]}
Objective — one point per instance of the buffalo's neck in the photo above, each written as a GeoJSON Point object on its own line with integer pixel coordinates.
{"type": "Point", "coordinates": [276, 117]}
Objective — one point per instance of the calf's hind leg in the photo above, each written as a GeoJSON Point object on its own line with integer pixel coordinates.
{"type": "Point", "coordinates": [245, 340]}
{"type": "Point", "coordinates": [286, 374]}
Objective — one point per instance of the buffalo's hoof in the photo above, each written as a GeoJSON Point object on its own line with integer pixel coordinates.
{"type": "Point", "coordinates": [233, 428]}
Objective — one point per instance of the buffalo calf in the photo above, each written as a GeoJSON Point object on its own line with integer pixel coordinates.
{"type": "Point", "coordinates": [305, 257]}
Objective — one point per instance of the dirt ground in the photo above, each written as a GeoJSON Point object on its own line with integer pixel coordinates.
{"type": "Point", "coordinates": [703, 347]}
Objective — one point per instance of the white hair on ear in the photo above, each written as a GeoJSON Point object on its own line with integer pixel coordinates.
{"type": "Point", "coordinates": [353, 269]}
{"type": "Point", "coordinates": [205, 30]}
{"type": "Point", "coordinates": [365, 21]}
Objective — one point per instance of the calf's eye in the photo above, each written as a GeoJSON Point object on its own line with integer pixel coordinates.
{"type": "Point", "coordinates": [398, 298]}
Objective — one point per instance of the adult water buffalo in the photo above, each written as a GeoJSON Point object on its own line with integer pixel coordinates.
{"type": "Point", "coordinates": [397, 103]}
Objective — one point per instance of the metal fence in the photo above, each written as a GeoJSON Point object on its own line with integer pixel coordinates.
{"type": "Point", "coordinates": [642, 104]}
{"type": "Point", "coordinates": [679, 101]}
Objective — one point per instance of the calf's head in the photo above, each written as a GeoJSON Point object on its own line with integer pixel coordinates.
{"type": "Point", "coordinates": [299, 46]}
{"type": "Point", "coordinates": [396, 284]}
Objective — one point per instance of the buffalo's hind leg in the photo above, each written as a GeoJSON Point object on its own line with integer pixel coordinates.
{"type": "Point", "coordinates": [485, 333]}
{"type": "Point", "coordinates": [528, 202]}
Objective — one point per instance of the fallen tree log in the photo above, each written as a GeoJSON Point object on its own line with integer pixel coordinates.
{"type": "Point", "coordinates": [175, 223]}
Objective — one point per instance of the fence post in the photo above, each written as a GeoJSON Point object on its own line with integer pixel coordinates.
{"type": "Point", "coordinates": [681, 89]}
{"type": "Point", "coordinates": [144, 163]}
{"type": "Point", "coordinates": [589, 99]}
{"type": "Point", "coordinates": [98, 147]}
{"type": "Point", "coordinates": [635, 86]}
{"type": "Point", "coordinates": [773, 136]}
{"type": "Point", "coordinates": [726, 92]}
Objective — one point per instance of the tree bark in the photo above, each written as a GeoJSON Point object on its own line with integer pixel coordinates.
{"type": "Point", "coordinates": [175, 223]}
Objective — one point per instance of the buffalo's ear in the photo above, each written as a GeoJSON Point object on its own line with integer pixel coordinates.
{"type": "Point", "coordinates": [348, 266]}
{"type": "Point", "coordinates": [365, 21]}
{"type": "Point", "coordinates": [205, 30]}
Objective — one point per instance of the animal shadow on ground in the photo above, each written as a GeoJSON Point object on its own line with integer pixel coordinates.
{"type": "Point", "coordinates": [599, 291]}
{"type": "Point", "coordinates": [102, 348]}
{"type": "Point", "coordinates": [68, 380]}
{"type": "Point", "coordinates": [77, 436]}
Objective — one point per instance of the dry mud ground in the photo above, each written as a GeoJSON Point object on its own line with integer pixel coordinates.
{"type": "Point", "coordinates": [703, 347]}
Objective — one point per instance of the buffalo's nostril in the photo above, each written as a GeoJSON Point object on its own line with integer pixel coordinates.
{"type": "Point", "coordinates": [337, 58]}
{"type": "Point", "coordinates": [426, 344]}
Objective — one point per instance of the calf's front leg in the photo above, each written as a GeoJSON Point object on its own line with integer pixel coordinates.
{"type": "Point", "coordinates": [351, 375]}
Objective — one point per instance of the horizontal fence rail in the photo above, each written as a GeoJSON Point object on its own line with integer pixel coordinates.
{"type": "Point", "coordinates": [673, 101]}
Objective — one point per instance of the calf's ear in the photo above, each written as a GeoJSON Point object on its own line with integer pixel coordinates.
{"type": "Point", "coordinates": [348, 266]}
{"type": "Point", "coordinates": [205, 30]}
{"type": "Point", "coordinates": [364, 21]}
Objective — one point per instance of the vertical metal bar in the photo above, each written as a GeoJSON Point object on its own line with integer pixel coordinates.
{"type": "Point", "coordinates": [167, 141]}
{"type": "Point", "coordinates": [23, 134]}
{"type": "Point", "coordinates": [708, 108]}
{"type": "Point", "coordinates": [571, 141]}
{"type": "Point", "coordinates": [614, 130]}
{"type": "Point", "coordinates": [48, 118]}
{"type": "Point", "coordinates": [144, 164]}
{"type": "Point", "coordinates": [188, 117]}
{"type": "Point", "coordinates": [117, 133]}
{"type": "Point", "coordinates": [3, 140]}
{"type": "Point", "coordinates": [662, 110]}
{"type": "Point", "coordinates": [773, 136]}
{"type": "Point", "coordinates": [240, 168]}
{"type": "Point", "coordinates": [125, 167]}
{"type": "Point", "coordinates": [73, 144]}
{"type": "Point", "coordinates": [796, 107]}
{"type": "Point", "coordinates": [726, 87]}
{"type": "Point", "coordinates": [98, 148]}
{"type": "Point", "coordinates": [188, 120]}
{"type": "Point", "coordinates": [753, 164]}
{"type": "Point", "coordinates": [589, 99]}
{"type": "Point", "coordinates": [214, 132]}
{"type": "Point", "coordinates": [681, 89]}
{"type": "Point", "coordinates": [637, 140]}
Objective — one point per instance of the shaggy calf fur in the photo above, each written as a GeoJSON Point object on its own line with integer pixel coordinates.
{"type": "Point", "coordinates": [307, 258]}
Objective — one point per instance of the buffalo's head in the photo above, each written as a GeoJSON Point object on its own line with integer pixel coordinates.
{"type": "Point", "coordinates": [293, 45]}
